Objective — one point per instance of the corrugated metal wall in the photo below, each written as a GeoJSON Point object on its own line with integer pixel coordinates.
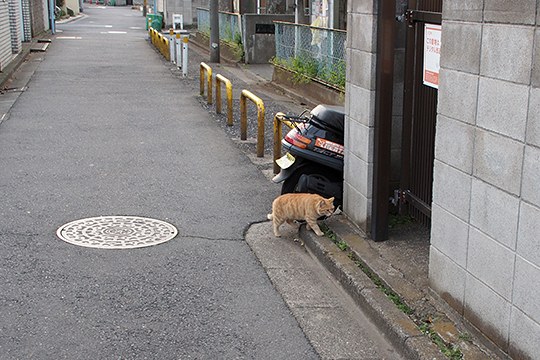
{"type": "Point", "coordinates": [5, 36]}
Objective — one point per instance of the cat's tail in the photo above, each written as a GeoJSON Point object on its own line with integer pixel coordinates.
{"type": "Point", "coordinates": [270, 216]}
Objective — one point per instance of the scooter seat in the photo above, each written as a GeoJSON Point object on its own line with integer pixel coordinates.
{"type": "Point", "coordinates": [330, 115]}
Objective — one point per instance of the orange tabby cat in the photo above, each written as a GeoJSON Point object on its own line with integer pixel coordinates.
{"type": "Point", "coordinates": [297, 206]}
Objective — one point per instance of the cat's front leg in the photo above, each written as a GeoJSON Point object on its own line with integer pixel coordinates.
{"type": "Point", "coordinates": [315, 228]}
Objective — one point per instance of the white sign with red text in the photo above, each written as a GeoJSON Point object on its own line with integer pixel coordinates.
{"type": "Point", "coordinates": [432, 55]}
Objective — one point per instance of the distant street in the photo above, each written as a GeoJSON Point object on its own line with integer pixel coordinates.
{"type": "Point", "coordinates": [105, 128]}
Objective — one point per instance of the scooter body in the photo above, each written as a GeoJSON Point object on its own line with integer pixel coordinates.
{"type": "Point", "coordinates": [314, 159]}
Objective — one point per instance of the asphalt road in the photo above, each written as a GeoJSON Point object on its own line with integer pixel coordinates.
{"type": "Point", "coordinates": [105, 128]}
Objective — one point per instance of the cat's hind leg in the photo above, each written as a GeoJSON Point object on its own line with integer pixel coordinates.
{"type": "Point", "coordinates": [276, 224]}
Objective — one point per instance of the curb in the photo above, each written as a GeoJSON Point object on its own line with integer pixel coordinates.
{"type": "Point", "coordinates": [14, 65]}
{"type": "Point", "coordinates": [10, 69]}
{"type": "Point", "coordinates": [400, 329]}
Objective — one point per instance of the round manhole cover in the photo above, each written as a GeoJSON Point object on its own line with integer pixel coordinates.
{"type": "Point", "coordinates": [117, 232]}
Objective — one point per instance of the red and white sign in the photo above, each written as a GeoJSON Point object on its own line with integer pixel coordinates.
{"type": "Point", "coordinates": [432, 55]}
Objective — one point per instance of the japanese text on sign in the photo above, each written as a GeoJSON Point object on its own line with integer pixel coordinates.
{"type": "Point", "coordinates": [432, 55]}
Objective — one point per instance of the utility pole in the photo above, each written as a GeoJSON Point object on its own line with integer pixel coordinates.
{"type": "Point", "coordinates": [214, 31]}
{"type": "Point", "coordinates": [145, 4]}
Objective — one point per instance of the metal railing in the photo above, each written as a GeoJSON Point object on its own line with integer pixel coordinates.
{"type": "Point", "coordinates": [279, 118]}
{"type": "Point", "coordinates": [206, 76]}
{"type": "Point", "coordinates": [204, 68]}
{"type": "Point", "coordinates": [160, 42]}
{"type": "Point", "coordinates": [260, 119]}
{"type": "Point", "coordinates": [228, 88]}
{"type": "Point", "coordinates": [230, 26]}
{"type": "Point", "coordinates": [314, 52]}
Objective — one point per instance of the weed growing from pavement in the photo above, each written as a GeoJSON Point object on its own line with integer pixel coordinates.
{"type": "Point", "coordinates": [451, 351]}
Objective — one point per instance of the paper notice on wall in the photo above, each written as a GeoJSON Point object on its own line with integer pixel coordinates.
{"type": "Point", "coordinates": [432, 55]}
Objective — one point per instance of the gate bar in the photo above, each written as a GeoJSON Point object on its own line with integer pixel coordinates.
{"type": "Point", "coordinates": [383, 119]}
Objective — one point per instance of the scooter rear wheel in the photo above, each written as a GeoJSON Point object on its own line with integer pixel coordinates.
{"type": "Point", "coordinates": [289, 185]}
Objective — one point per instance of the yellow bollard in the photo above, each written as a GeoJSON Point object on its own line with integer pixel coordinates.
{"type": "Point", "coordinates": [228, 86]}
{"type": "Point", "coordinates": [278, 118]}
{"type": "Point", "coordinates": [165, 49]}
{"type": "Point", "coordinates": [260, 120]}
{"type": "Point", "coordinates": [205, 68]}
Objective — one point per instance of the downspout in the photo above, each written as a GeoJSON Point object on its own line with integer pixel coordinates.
{"type": "Point", "coordinates": [51, 16]}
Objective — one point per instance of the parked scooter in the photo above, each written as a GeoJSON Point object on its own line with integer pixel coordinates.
{"type": "Point", "coordinates": [314, 161]}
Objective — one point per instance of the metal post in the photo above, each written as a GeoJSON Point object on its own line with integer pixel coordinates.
{"type": "Point", "coordinates": [383, 119]}
{"type": "Point", "coordinates": [185, 40]}
{"type": "Point", "coordinates": [214, 31]}
{"type": "Point", "coordinates": [178, 52]}
{"type": "Point", "coordinates": [172, 48]}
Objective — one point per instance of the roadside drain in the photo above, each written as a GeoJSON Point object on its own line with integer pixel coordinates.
{"type": "Point", "coordinates": [117, 232]}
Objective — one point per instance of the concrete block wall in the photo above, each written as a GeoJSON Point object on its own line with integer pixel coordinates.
{"type": "Point", "coordinates": [183, 7]}
{"type": "Point", "coordinates": [38, 17]}
{"type": "Point", "coordinates": [360, 111]}
{"type": "Point", "coordinates": [485, 237]}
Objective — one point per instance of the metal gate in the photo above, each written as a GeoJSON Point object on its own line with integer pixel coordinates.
{"type": "Point", "coordinates": [419, 115]}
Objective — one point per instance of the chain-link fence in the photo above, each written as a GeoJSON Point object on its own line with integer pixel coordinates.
{"type": "Point", "coordinates": [313, 52]}
{"type": "Point", "coordinates": [229, 25]}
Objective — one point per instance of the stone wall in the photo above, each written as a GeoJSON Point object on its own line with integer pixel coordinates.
{"type": "Point", "coordinates": [485, 238]}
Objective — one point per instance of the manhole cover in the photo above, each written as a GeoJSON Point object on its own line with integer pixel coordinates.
{"type": "Point", "coordinates": [117, 232]}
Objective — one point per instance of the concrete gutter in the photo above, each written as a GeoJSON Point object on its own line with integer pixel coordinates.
{"type": "Point", "coordinates": [401, 330]}
{"type": "Point", "coordinates": [397, 266]}
{"type": "Point", "coordinates": [10, 69]}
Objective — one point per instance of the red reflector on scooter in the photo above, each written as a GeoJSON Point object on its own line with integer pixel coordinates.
{"type": "Point", "coordinates": [293, 137]}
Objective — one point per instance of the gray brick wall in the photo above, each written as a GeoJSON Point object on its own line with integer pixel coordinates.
{"type": "Point", "coordinates": [485, 238]}
{"type": "Point", "coordinates": [360, 109]}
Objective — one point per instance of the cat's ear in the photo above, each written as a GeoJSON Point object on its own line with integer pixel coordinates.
{"type": "Point", "coordinates": [331, 199]}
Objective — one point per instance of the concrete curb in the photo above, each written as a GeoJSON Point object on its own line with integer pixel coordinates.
{"type": "Point", "coordinates": [10, 69]}
{"type": "Point", "coordinates": [399, 328]}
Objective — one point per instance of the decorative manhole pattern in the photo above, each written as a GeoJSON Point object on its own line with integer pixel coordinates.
{"type": "Point", "coordinates": [117, 232]}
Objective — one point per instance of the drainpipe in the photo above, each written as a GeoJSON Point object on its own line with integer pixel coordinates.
{"type": "Point", "coordinates": [51, 16]}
